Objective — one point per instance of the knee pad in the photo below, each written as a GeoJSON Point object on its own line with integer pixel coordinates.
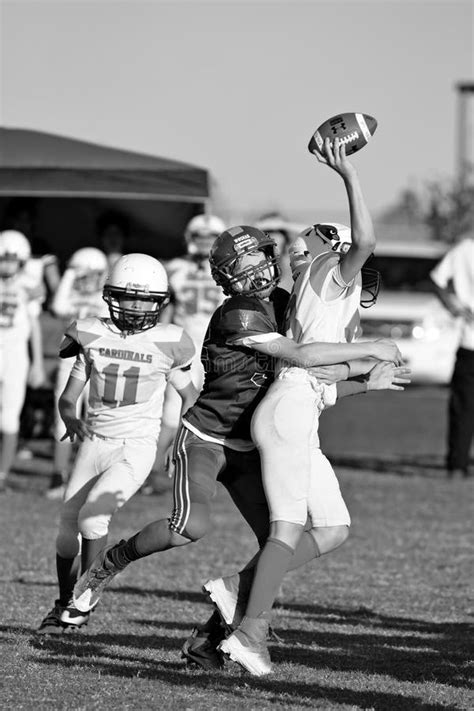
{"type": "Point", "coordinates": [10, 423]}
{"type": "Point", "coordinates": [93, 525]}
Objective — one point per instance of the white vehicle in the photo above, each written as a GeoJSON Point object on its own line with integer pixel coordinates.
{"type": "Point", "coordinates": [408, 311]}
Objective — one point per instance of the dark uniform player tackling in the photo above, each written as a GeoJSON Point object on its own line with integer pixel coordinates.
{"type": "Point", "coordinates": [213, 442]}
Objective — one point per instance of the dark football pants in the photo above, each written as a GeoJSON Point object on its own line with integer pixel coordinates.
{"type": "Point", "coordinates": [461, 410]}
{"type": "Point", "coordinates": [198, 466]}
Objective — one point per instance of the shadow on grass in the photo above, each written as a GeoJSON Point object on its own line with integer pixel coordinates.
{"type": "Point", "coordinates": [402, 649]}
{"type": "Point", "coordinates": [230, 681]}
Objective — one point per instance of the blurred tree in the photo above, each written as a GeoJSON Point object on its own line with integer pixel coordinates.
{"type": "Point", "coordinates": [444, 208]}
{"type": "Point", "coordinates": [449, 211]}
{"type": "Point", "coordinates": [407, 209]}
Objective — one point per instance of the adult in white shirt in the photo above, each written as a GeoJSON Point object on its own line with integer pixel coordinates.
{"type": "Point", "coordinates": [453, 278]}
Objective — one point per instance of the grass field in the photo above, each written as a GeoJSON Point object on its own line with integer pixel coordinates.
{"type": "Point", "coordinates": [383, 623]}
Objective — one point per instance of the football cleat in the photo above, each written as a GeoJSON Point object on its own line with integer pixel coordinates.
{"type": "Point", "coordinates": [72, 617]}
{"type": "Point", "coordinates": [224, 593]}
{"type": "Point", "coordinates": [52, 624]}
{"type": "Point", "coordinates": [90, 585]}
{"type": "Point", "coordinates": [249, 648]}
{"type": "Point", "coordinates": [200, 648]}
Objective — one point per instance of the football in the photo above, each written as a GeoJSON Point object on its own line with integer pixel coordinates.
{"type": "Point", "coordinates": [354, 130]}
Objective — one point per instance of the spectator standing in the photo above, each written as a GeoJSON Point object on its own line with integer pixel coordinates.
{"type": "Point", "coordinates": [453, 279]}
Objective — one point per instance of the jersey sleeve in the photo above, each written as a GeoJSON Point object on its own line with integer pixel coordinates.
{"type": "Point", "coordinates": [444, 270]}
{"type": "Point", "coordinates": [241, 323]}
{"type": "Point", "coordinates": [70, 345]}
{"type": "Point", "coordinates": [326, 278]}
{"type": "Point", "coordinates": [184, 351]}
{"type": "Point", "coordinates": [80, 369]}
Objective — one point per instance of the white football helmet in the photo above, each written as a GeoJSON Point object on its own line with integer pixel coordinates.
{"type": "Point", "coordinates": [15, 251]}
{"type": "Point", "coordinates": [201, 233]}
{"type": "Point", "coordinates": [332, 237]}
{"type": "Point", "coordinates": [141, 282]}
{"type": "Point", "coordinates": [90, 267]}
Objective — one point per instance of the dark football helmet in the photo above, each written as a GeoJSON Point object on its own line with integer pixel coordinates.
{"type": "Point", "coordinates": [236, 265]}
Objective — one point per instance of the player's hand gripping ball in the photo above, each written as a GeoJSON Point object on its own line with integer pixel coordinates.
{"type": "Point", "coordinates": [353, 130]}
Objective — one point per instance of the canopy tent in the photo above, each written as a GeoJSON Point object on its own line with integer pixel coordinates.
{"type": "Point", "coordinates": [73, 182]}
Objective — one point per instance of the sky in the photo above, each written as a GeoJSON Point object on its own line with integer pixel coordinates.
{"type": "Point", "coordinates": [238, 87]}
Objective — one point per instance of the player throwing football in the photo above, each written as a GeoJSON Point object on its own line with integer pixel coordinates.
{"type": "Point", "coordinates": [127, 360]}
{"type": "Point", "coordinates": [299, 481]}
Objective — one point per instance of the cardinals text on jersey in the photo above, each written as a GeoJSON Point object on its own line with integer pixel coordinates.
{"type": "Point", "coordinates": [127, 374]}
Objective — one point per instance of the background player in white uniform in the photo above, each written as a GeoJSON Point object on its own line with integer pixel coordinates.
{"type": "Point", "coordinates": [298, 479]}
{"type": "Point", "coordinates": [20, 307]}
{"type": "Point", "coordinates": [194, 298]}
{"type": "Point", "coordinates": [127, 359]}
{"type": "Point", "coordinates": [78, 296]}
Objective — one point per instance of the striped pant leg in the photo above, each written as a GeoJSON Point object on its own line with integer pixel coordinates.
{"type": "Point", "coordinates": [197, 465]}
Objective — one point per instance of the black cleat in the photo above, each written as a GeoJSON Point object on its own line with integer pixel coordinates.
{"type": "Point", "coordinates": [52, 622]}
{"type": "Point", "coordinates": [200, 649]}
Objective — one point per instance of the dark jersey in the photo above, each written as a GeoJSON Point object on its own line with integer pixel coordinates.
{"type": "Point", "coordinates": [236, 377]}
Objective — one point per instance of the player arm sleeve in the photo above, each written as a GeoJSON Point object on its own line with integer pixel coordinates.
{"type": "Point", "coordinates": [326, 278]}
{"type": "Point", "coordinates": [70, 345]}
{"type": "Point", "coordinates": [180, 378]}
{"type": "Point", "coordinates": [184, 352]}
{"type": "Point", "coordinates": [256, 339]}
{"type": "Point", "coordinates": [81, 369]}
{"type": "Point", "coordinates": [244, 326]}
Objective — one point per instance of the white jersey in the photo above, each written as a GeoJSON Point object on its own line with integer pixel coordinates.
{"type": "Point", "coordinates": [20, 300]}
{"type": "Point", "coordinates": [322, 306]}
{"type": "Point", "coordinates": [127, 373]}
{"type": "Point", "coordinates": [195, 296]}
{"type": "Point", "coordinates": [457, 267]}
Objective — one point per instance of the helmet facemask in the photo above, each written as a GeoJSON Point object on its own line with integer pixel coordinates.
{"type": "Point", "coordinates": [131, 319]}
{"type": "Point", "coordinates": [255, 272]}
{"type": "Point", "coordinates": [370, 286]}
{"type": "Point", "coordinates": [136, 291]}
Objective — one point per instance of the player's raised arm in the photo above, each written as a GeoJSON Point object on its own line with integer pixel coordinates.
{"type": "Point", "coordinates": [363, 237]}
